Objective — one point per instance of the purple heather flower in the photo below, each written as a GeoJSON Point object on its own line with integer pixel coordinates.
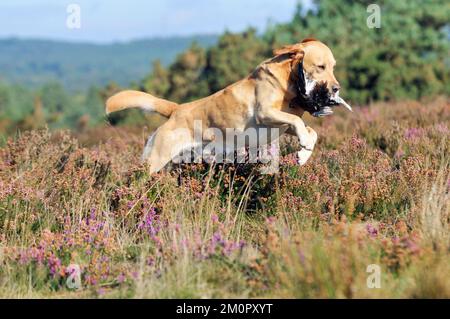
{"type": "Point", "coordinates": [372, 231]}
{"type": "Point", "coordinates": [412, 246]}
{"type": "Point", "coordinates": [395, 240]}
{"type": "Point", "coordinates": [442, 128]}
{"type": "Point", "coordinates": [121, 278]}
{"type": "Point", "coordinates": [399, 154]}
{"type": "Point", "coordinates": [150, 224]}
{"type": "Point", "coordinates": [130, 204]}
{"type": "Point", "coordinates": [101, 291]}
{"type": "Point", "coordinates": [23, 257]}
{"type": "Point", "coordinates": [54, 264]}
{"type": "Point", "coordinates": [150, 261]}
{"type": "Point", "coordinates": [302, 257]}
{"type": "Point", "coordinates": [413, 133]}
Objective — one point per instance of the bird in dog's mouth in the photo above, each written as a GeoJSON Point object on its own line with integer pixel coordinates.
{"type": "Point", "coordinates": [315, 96]}
{"type": "Point", "coordinates": [321, 101]}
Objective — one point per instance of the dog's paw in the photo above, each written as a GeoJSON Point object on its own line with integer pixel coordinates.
{"type": "Point", "coordinates": [307, 142]}
{"type": "Point", "coordinates": [303, 156]}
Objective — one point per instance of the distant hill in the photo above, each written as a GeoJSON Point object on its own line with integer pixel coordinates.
{"type": "Point", "coordinates": [81, 65]}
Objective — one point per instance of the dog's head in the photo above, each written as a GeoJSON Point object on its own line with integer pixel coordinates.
{"type": "Point", "coordinates": [313, 70]}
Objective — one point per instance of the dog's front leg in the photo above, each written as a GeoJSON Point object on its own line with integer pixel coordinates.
{"type": "Point", "coordinates": [274, 117]}
{"type": "Point", "coordinates": [303, 154]}
{"type": "Point", "coordinates": [267, 114]}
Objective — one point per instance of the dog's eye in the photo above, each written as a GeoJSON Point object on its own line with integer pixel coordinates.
{"type": "Point", "coordinates": [321, 67]}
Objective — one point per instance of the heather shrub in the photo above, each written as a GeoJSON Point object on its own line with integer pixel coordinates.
{"type": "Point", "coordinates": [375, 191]}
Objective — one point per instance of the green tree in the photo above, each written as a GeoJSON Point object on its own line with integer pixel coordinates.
{"type": "Point", "coordinates": [55, 100]}
{"type": "Point", "coordinates": [94, 106]}
{"type": "Point", "coordinates": [234, 57]}
{"type": "Point", "coordinates": [15, 102]}
{"type": "Point", "coordinates": [186, 81]}
{"type": "Point", "coordinates": [406, 58]}
{"type": "Point", "coordinates": [157, 82]}
{"type": "Point", "coordinates": [198, 72]}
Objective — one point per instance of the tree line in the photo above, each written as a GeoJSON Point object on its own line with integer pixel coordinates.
{"type": "Point", "coordinates": [406, 58]}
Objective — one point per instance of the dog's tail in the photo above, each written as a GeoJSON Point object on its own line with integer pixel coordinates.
{"type": "Point", "coordinates": [129, 99]}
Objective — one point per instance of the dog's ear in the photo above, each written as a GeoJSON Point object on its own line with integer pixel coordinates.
{"type": "Point", "coordinates": [308, 40]}
{"type": "Point", "coordinates": [294, 50]}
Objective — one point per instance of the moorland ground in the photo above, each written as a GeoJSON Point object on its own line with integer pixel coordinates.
{"type": "Point", "coordinates": [375, 191]}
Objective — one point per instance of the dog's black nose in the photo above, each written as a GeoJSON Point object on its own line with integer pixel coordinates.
{"type": "Point", "coordinates": [335, 88]}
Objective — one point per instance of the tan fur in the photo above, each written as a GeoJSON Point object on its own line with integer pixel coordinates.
{"type": "Point", "coordinates": [127, 99]}
{"type": "Point", "coordinates": [259, 100]}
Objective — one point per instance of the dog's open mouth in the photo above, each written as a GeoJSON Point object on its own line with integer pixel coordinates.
{"type": "Point", "coordinates": [321, 101]}
{"type": "Point", "coordinates": [318, 102]}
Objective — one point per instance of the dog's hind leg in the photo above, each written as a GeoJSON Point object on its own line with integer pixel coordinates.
{"type": "Point", "coordinates": [165, 145]}
{"type": "Point", "coordinates": [148, 146]}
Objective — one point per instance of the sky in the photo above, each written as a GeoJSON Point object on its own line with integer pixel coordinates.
{"type": "Point", "coordinates": [105, 21]}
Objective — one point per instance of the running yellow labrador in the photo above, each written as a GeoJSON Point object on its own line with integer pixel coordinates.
{"type": "Point", "coordinates": [275, 95]}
